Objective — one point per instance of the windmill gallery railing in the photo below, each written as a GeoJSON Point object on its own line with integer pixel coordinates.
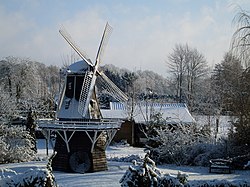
{"type": "Point", "coordinates": [79, 125]}
{"type": "Point", "coordinates": [93, 129]}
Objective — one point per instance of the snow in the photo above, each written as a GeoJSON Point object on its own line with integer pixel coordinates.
{"type": "Point", "coordinates": [172, 112]}
{"type": "Point", "coordinates": [79, 66]}
{"type": "Point", "coordinates": [116, 169]}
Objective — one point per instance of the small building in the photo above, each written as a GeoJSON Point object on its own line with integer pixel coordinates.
{"type": "Point", "coordinates": [174, 113]}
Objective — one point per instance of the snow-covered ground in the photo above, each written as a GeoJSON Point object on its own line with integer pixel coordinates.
{"type": "Point", "coordinates": [224, 123]}
{"type": "Point", "coordinates": [116, 169]}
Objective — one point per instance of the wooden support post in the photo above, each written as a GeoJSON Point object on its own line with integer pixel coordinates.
{"type": "Point", "coordinates": [46, 134]}
{"type": "Point", "coordinates": [111, 134]}
{"type": "Point", "coordinates": [47, 142]}
{"type": "Point", "coordinates": [94, 139]}
{"type": "Point", "coordinates": [66, 141]}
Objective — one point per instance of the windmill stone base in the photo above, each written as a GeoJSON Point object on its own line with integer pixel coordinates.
{"type": "Point", "coordinates": [80, 158]}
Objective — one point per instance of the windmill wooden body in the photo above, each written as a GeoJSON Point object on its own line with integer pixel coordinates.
{"type": "Point", "coordinates": [82, 133]}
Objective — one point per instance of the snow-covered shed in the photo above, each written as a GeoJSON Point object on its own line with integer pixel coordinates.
{"type": "Point", "coordinates": [174, 113]}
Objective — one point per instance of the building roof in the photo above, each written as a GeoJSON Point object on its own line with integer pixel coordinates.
{"type": "Point", "coordinates": [78, 67]}
{"type": "Point", "coordinates": [172, 112]}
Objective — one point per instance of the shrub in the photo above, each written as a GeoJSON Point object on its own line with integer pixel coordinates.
{"type": "Point", "coordinates": [32, 177]}
{"type": "Point", "coordinates": [147, 174]}
{"type": "Point", "coordinates": [15, 145]}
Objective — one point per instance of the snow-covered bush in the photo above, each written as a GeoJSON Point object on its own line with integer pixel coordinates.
{"type": "Point", "coordinates": [122, 143]}
{"type": "Point", "coordinates": [147, 174]}
{"type": "Point", "coordinates": [15, 145]}
{"type": "Point", "coordinates": [239, 136]}
{"type": "Point", "coordinates": [171, 144]}
{"type": "Point", "coordinates": [200, 153]}
{"type": "Point", "coordinates": [181, 143]}
{"type": "Point", "coordinates": [33, 177]}
{"type": "Point", "coordinates": [128, 158]}
{"type": "Point", "coordinates": [39, 177]}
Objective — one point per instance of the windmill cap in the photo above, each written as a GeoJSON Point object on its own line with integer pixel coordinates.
{"type": "Point", "coordinates": [78, 66]}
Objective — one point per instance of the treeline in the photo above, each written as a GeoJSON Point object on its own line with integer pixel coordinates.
{"type": "Point", "coordinates": [139, 83]}
{"type": "Point", "coordinates": [224, 89]}
{"type": "Point", "coordinates": [26, 84]}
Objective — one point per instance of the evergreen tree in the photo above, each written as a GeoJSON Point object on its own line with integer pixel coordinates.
{"type": "Point", "coordinates": [31, 128]}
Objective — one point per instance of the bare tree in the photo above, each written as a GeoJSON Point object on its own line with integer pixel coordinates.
{"type": "Point", "coordinates": [177, 67]}
{"type": "Point", "coordinates": [130, 79]}
{"type": "Point", "coordinates": [70, 58]}
{"type": "Point", "coordinates": [240, 43]}
{"type": "Point", "coordinates": [197, 68]}
{"type": "Point", "coordinates": [187, 67]}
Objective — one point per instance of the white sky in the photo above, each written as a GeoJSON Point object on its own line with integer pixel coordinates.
{"type": "Point", "coordinates": [145, 31]}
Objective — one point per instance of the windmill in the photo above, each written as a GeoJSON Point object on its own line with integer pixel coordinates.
{"type": "Point", "coordinates": [82, 133]}
{"type": "Point", "coordinates": [92, 73]}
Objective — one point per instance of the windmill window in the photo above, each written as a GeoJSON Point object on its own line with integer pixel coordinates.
{"type": "Point", "coordinates": [70, 85]}
{"type": "Point", "coordinates": [67, 103]}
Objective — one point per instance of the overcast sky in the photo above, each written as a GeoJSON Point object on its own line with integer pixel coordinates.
{"type": "Point", "coordinates": [144, 31]}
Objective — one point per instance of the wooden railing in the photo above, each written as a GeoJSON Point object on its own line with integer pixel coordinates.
{"type": "Point", "coordinates": [79, 125]}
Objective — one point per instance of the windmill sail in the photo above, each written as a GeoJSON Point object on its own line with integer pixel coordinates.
{"type": "Point", "coordinates": [88, 89]}
{"type": "Point", "coordinates": [73, 44]}
{"type": "Point", "coordinates": [112, 89]}
{"type": "Point", "coordinates": [106, 35]}
{"type": "Point", "coordinates": [84, 93]}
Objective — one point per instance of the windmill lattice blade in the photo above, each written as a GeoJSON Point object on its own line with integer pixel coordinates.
{"type": "Point", "coordinates": [83, 104]}
{"type": "Point", "coordinates": [105, 37]}
{"type": "Point", "coordinates": [87, 90]}
{"type": "Point", "coordinates": [73, 44]}
{"type": "Point", "coordinates": [112, 89]}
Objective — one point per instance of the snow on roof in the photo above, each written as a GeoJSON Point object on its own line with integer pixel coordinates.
{"type": "Point", "coordinates": [78, 66]}
{"type": "Point", "coordinates": [172, 112]}
{"type": "Point", "coordinates": [114, 114]}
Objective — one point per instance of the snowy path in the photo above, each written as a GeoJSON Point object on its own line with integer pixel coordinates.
{"type": "Point", "coordinates": [117, 169]}
{"type": "Point", "coordinates": [103, 178]}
